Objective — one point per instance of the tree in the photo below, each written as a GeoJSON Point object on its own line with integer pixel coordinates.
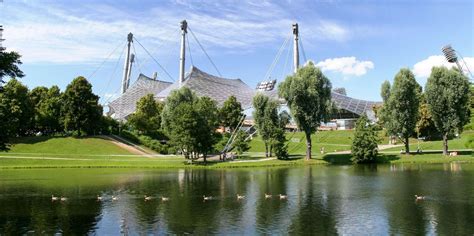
{"type": "Point", "coordinates": [385, 91]}
{"type": "Point", "coordinates": [425, 126]}
{"type": "Point", "coordinates": [37, 95]}
{"type": "Point", "coordinates": [364, 144]}
{"type": "Point", "coordinates": [284, 119]}
{"type": "Point", "coordinates": [19, 108]}
{"type": "Point", "coordinates": [241, 143]}
{"type": "Point", "coordinates": [231, 113]}
{"type": "Point", "coordinates": [9, 62]}
{"type": "Point", "coordinates": [265, 116]}
{"type": "Point", "coordinates": [190, 123]}
{"type": "Point", "coordinates": [447, 94]}
{"type": "Point", "coordinates": [280, 144]}
{"type": "Point", "coordinates": [49, 110]}
{"type": "Point", "coordinates": [81, 110]}
{"type": "Point", "coordinates": [402, 106]}
{"type": "Point", "coordinates": [147, 117]}
{"type": "Point", "coordinates": [308, 94]}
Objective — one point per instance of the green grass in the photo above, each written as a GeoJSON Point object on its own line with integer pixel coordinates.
{"type": "Point", "coordinates": [453, 144]}
{"type": "Point", "coordinates": [66, 145]}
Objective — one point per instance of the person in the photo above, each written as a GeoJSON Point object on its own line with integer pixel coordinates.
{"type": "Point", "coordinates": [322, 150]}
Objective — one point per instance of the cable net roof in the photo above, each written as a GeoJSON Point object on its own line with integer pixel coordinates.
{"type": "Point", "coordinates": [217, 88]}
{"type": "Point", "coordinates": [125, 105]}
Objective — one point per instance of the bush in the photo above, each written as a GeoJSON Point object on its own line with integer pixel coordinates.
{"type": "Point", "coordinates": [364, 144]}
{"type": "Point", "coordinates": [148, 142]}
{"type": "Point", "coordinates": [280, 144]}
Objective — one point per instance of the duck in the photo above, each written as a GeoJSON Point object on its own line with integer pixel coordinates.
{"type": "Point", "coordinates": [114, 198]}
{"type": "Point", "coordinates": [240, 197]}
{"type": "Point", "coordinates": [148, 198]}
{"type": "Point", "coordinates": [267, 196]}
{"type": "Point", "coordinates": [99, 198]}
{"type": "Point", "coordinates": [63, 199]}
{"type": "Point", "coordinates": [206, 197]}
{"type": "Point", "coordinates": [53, 198]}
{"type": "Point", "coordinates": [165, 199]}
{"type": "Point", "coordinates": [419, 197]}
{"type": "Point", "coordinates": [283, 197]}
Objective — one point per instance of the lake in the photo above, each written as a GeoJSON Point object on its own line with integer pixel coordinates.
{"type": "Point", "coordinates": [377, 200]}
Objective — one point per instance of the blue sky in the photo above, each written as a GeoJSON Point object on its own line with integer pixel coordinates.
{"type": "Point", "coordinates": [358, 44]}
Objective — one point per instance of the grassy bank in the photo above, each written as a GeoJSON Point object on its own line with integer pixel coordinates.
{"type": "Point", "coordinates": [98, 152]}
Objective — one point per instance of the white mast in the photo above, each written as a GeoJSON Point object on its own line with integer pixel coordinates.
{"type": "Point", "coordinates": [127, 66]}
{"type": "Point", "coordinates": [296, 54]}
{"type": "Point", "coordinates": [184, 30]}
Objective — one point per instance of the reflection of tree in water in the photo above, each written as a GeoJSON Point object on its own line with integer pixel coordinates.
{"type": "Point", "coordinates": [314, 214]}
{"type": "Point", "coordinates": [273, 181]}
{"type": "Point", "coordinates": [19, 215]}
{"type": "Point", "coordinates": [405, 215]}
{"type": "Point", "coordinates": [186, 212]}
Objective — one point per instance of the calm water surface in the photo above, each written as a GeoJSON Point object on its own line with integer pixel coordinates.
{"type": "Point", "coordinates": [377, 200]}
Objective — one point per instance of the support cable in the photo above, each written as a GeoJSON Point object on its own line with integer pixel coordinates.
{"type": "Point", "coordinates": [302, 49]}
{"type": "Point", "coordinates": [465, 64]}
{"type": "Point", "coordinates": [113, 72]}
{"type": "Point", "coordinates": [189, 49]}
{"type": "Point", "coordinates": [158, 47]}
{"type": "Point", "coordinates": [105, 60]}
{"type": "Point", "coordinates": [286, 63]}
{"type": "Point", "coordinates": [156, 61]}
{"type": "Point", "coordinates": [202, 48]}
{"type": "Point", "coordinates": [277, 57]}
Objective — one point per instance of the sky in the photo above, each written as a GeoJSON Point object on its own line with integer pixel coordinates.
{"type": "Point", "coordinates": [358, 44]}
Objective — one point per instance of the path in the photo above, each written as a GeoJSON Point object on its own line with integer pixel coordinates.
{"type": "Point", "coordinates": [125, 144]}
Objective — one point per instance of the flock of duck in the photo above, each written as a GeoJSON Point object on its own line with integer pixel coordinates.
{"type": "Point", "coordinates": [165, 199]}
{"type": "Point", "coordinates": [204, 197]}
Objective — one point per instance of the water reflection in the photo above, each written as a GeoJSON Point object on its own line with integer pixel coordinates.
{"type": "Point", "coordinates": [362, 199]}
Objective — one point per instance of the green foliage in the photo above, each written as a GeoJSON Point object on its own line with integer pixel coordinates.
{"type": "Point", "coordinates": [280, 144]}
{"type": "Point", "coordinates": [364, 144]}
{"type": "Point", "coordinates": [308, 94]}
{"type": "Point", "coordinates": [81, 109]}
{"type": "Point", "coordinates": [385, 91]}
{"type": "Point", "coordinates": [265, 116]}
{"type": "Point", "coordinates": [401, 109]}
{"type": "Point", "coordinates": [9, 62]}
{"type": "Point", "coordinates": [47, 109]}
{"type": "Point", "coordinates": [447, 94]}
{"type": "Point", "coordinates": [18, 108]}
{"type": "Point", "coordinates": [190, 123]}
{"type": "Point", "coordinates": [147, 117]}
{"type": "Point", "coordinates": [284, 119]}
{"type": "Point", "coordinates": [231, 113]}
{"type": "Point", "coordinates": [241, 143]}
{"type": "Point", "coordinates": [425, 126]}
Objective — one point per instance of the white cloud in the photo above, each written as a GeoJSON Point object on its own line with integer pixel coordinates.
{"type": "Point", "coordinates": [89, 32]}
{"type": "Point", "coordinates": [346, 65]}
{"type": "Point", "coordinates": [422, 69]}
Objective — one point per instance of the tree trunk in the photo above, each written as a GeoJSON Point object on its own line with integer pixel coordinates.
{"type": "Point", "coordinates": [271, 150]}
{"type": "Point", "coordinates": [445, 143]}
{"type": "Point", "coordinates": [266, 150]}
{"type": "Point", "coordinates": [204, 156]}
{"type": "Point", "coordinates": [308, 145]}
{"type": "Point", "coordinates": [407, 145]}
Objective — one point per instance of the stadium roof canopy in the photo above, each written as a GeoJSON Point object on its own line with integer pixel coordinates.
{"type": "Point", "coordinates": [219, 89]}
{"type": "Point", "coordinates": [125, 105]}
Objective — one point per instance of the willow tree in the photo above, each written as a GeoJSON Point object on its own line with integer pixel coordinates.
{"type": "Point", "coordinates": [308, 95]}
{"type": "Point", "coordinates": [447, 94]}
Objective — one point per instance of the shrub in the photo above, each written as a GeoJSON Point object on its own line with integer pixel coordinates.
{"type": "Point", "coordinates": [364, 144]}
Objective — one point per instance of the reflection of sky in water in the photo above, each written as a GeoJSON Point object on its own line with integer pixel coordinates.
{"type": "Point", "coordinates": [359, 200]}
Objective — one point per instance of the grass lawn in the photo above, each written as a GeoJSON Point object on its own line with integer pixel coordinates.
{"type": "Point", "coordinates": [66, 145]}
{"type": "Point", "coordinates": [453, 144]}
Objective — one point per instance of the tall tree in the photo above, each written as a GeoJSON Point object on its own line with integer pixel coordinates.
{"type": "Point", "coordinates": [403, 104]}
{"type": "Point", "coordinates": [265, 116]}
{"type": "Point", "coordinates": [81, 110]}
{"type": "Point", "coordinates": [231, 113]}
{"type": "Point", "coordinates": [385, 91]}
{"type": "Point", "coordinates": [190, 123]}
{"type": "Point", "coordinates": [308, 94]}
{"type": "Point", "coordinates": [50, 110]}
{"type": "Point", "coordinates": [37, 96]}
{"type": "Point", "coordinates": [447, 94]}
{"type": "Point", "coordinates": [20, 109]}
{"type": "Point", "coordinates": [364, 144]}
{"type": "Point", "coordinates": [425, 126]}
{"type": "Point", "coordinates": [147, 117]}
